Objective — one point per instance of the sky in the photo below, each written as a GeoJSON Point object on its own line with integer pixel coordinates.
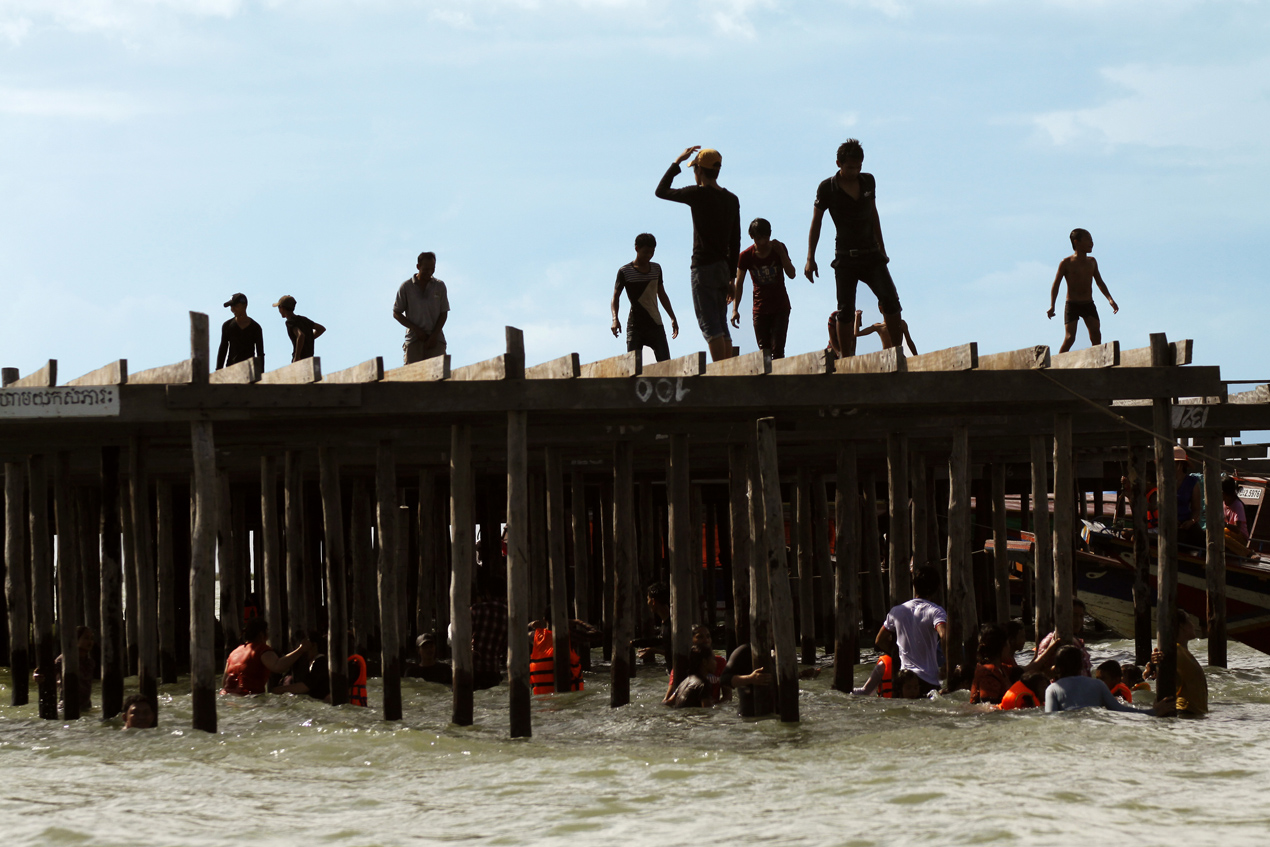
{"type": "Point", "coordinates": [157, 156]}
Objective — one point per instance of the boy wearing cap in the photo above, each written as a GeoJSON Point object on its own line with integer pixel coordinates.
{"type": "Point", "coordinates": [300, 329]}
{"type": "Point", "coordinates": [716, 243]}
{"type": "Point", "coordinates": [428, 668]}
{"type": "Point", "coordinates": [240, 337]}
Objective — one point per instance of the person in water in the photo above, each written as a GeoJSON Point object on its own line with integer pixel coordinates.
{"type": "Point", "coordinates": [1110, 675]}
{"type": "Point", "coordinates": [427, 667]}
{"type": "Point", "coordinates": [1070, 690]}
{"type": "Point", "coordinates": [992, 679]}
{"type": "Point", "coordinates": [702, 640]}
{"type": "Point", "coordinates": [312, 673]}
{"type": "Point", "coordinates": [658, 600]}
{"type": "Point", "coordinates": [86, 668]}
{"type": "Point", "coordinates": [1027, 693]}
{"type": "Point", "coordinates": [1192, 686]}
{"type": "Point", "coordinates": [1081, 272]}
{"type": "Point", "coordinates": [917, 627]}
{"type": "Point", "coordinates": [697, 688]}
{"type": "Point", "coordinates": [138, 713]}
{"type": "Point", "coordinates": [1045, 651]}
{"type": "Point", "coordinates": [248, 667]}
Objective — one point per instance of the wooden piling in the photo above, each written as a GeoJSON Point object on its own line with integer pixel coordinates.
{"type": "Point", "coordinates": [426, 608]}
{"type": "Point", "coordinates": [230, 617]}
{"type": "Point", "coordinates": [202, 578]}
{"type": "Point", "coordinates": [272, 550]}
{"type": "Point", "coordinates": [710, 589]}
{"type": "Point", "coordinates": [742, 553]}
{"type": "Point", "coordinates": [15, 582]}
{"type": "Point", "coordinates": [1214, 527]}
{"type": "Point", "coordinates": [1043, 549]}
{"type": "Point", "coordinates": [919, 519]}
{"type": "Point", "coordinates": [1141, 556]}
{"type": "Point", "coordinates": [1000, 546]}
{"type": "Point", "coordinates": [112, 624]}
{"type": "Point", "coordinates": [825, 595]}
{"type": "Point", "coordinates": [682, 595]}
{"type": "Point", "coordinates": [649, 540]}
{"type": "Point", "coordinates": [1064, 530]}
{"type": "Point", "coordinates": [165, 580]}
{"type": "Point", "coordinates": [761, 638]}
{"type": "Point", "coordinates": [88, 510]}
{"type": "Point", "coordinates": [846, 651]}
{"type": "Point", "coordinates": [68, 607]}
{"type": "Point", "coordinates": [539, 567]}
{"type": "Point", "coordinates": [129, 582]}
{"type": "Point", "coordinates": [806, 562]}
{"type": "Point", "coordinates": [559, 572]}
{"type": "Point", "coordinates": [518, 575]}
{"type": "Point", "coordinates": [625, 551]}
{"type": "Point", "coordinates": [962, 615]}
{"type": "Point", "coordinates": [42, 585]}
{"type": "Point", "coordinates": [362, 571]}
{"type": "Point", "coordinates": [581, 558]}
{"type": "Point", "coordinates": [336, 601]}
{"type": "Point", "coordinates": [147, 604]}
{"type": "Point", "coordinates": [608, 545]}
{"type": "Point", "coordinates": [878, 604]}
{"type": "Point", "coordinates": [782, 601]}
{"type": "Point", "coordinates": [387, 519]}
{"type": "Point", "coordinates": [462, 523]}
{"type": "Point", "coordinates": [293, 515]}
{"type": "Point", "coordinates": [898, 554]}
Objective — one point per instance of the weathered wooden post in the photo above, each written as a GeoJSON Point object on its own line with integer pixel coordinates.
{"type": "Point", "coordinates": [1064, 532]}
{"type": "Point", "coordinates": [1214, 527]}
{"type": "Point", "coordinates": [879, 601]}
{"type": "Point", "coordinates": [462, 521]}
{"type": "Point", "coordinates": [1042, 549]}
{"type": "Point", "coordinates": [920, 515]}
{"type": "Point", "coordinates": [782, 602]}
{"type": "Point", "coordinates": [42, 585]}
{"type": "Point", "coordinates": [230, 617]}
{"type": "Point", "coordinates": [607, 546]}
{"type": "Point", "coordinates": [806, 596]}
{"type": "Point", "coordinates": [165, 580]}
{"type": "Point", "coordinates": [68, 617]}
{"type": "Point", "coordinates": [15, 582]}
{"type": "Point", "coordinates": [761, 639]}
{"type": "Point", "coordinates": [272, 547]}
{"type": "Point", "coordinates": [648, 551]}
{"type": "Point", "coordinates": [361, 570]}
{"type": "Point", "coordinates": [711, 561]}
{"type": "Point", "coordinates": [336, 600]}
{"type": "Point", "coordinates": [898, 555]}
{"type": "Point", "coordinates": [426, 609]}
{"type": "Point", "coordinates": [518, 575]}
{"type": "Point", "coordinates": [846, 651]}
{"type": "Point", "coordinates": [963, 620]}
{"type": "Point", "coordinates": [293, 506]}
{"type": "Point", "coordinates": [681, 566]}
{"type": "Point", "coordinates": [88, 508]}
{"type": "Point", "coordinates": [129, 582]}
{"type": "Point", "coordinates": [625, 552]}
{"type": "Point", "coordinates": [1141, 556]}
{"type": "Point", "coordinates": [1000, 545]}
{"type": "Point", "coordinates": [824, 563]}
{"type": "Point", "coordinates": [581, 558]}
{"type": "Point", "coordinates": [539, 568]}
{"type": "Point", "coordinates": [202, 578]}
{"type": "Point", "coordinates": [742, 553]}
{"type": "Point", "coordinates": [559, 572]}
{"type": "Point", "coordinates": [387, 519]}
{"type": "Point", "coordinates": [112, 625]}
{"type": "Point", "coordinates": [147, 606]}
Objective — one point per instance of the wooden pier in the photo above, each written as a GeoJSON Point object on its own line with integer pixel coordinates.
{"type": "Point", "coordinates": [323, 499]}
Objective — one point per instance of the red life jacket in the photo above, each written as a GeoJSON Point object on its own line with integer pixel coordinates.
{"type": "Point", "coordinates": [542, 665]}
{"type": "Point", "coordinates": [1019, 697]}
{"type": "Point", "coordinates": [1122, 691]}
{"type": "Point", "coordinates": [245, 671]}
{"type": "Point", "coordinates": [357, 686]}
{"type": "Point", "coordinates": [1153, 515]}
{"type": "Point", "coordinates": [886, 687]}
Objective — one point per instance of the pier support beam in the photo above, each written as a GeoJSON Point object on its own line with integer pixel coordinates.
{"type": "Point", "coordinates": [165, 580]}
{"type": "Point", "coordinates": [1000, 546]}
{"type": "Point", "coordinates": [742, 553]}
{"type": "Point", "coordinates": [824, 563]}
{"type": "Point", "coordinates": [806, 560]}
{"type": "Point", "coordinates": [230, 617]}
{"type": "Point", "coordinates": [761, 640]}
{"type": "Point", "coordinates": [517, 575]}
{"type": "Point", "coordinates": [1216, 552]}
{"type": "Point", "coordinates": [336, 600]}
{"type": "Point", "coordinates": [898, 554]}
{"type": "Point", "coordinates": [625, 553]}
{"type": "Point", "coordinates": [1166, 541]}
{"type": "Point", "coordinates": [1064, 528]}
{"type": "Point", "coordinates": [68, 606]}
{"type": "Point", "coordinates": [559, 573]}
{"type": "Point", "coordinates": [682, 571]}
{"type": "Point", "coordinates": [293, 506]}
{"type": "Point", "coordinates": [846, 651]}
{"type": "Point", "coordinates": [876, 586]}
{"type": "Point", "coordinates": [920, 515]}
{"type": "Point", "coordinates": [462, 521]}
{"type": "Point", "coordinates": [388, 519]}
{"type": "Point", "coordinates": [1141, 556]}
{"type": "Point", "coordinates": [147, 607]}
{"type": "Point", "coordinates": [15, 582]}
{"type": "Point", "coordinates": [272, 549]}
{"type": "Point", "coordinates": [581, 558]}
{"type": "Point", "coordinates": [42, 585]}
{"type": "Point", "coordinates": [203, 579]}
{"type": "Point", "coordinates": [782, 602]}
{"type": "Point", "coordinates": [112, 626]}
{"type": "Point", "coordinates": [1043, 549]}
{"type": "Point", "coordinates": [962, 613]}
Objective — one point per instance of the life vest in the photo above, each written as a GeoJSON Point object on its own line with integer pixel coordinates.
{"type": "Point", "coordinates": [1153, 515]}
{"type": "Point", "coordinates": [542, 665]}
{"type": "Point", "coordinates": [245, 671]}
{"type": "Point", "coordinates": [886, 687]}
{"type": "Point", "coordinates": [1019, 697]}
{"type": "Point", "coordinates": [357, 686]}
{"type": "Point", "coordinates": [1122, 691]}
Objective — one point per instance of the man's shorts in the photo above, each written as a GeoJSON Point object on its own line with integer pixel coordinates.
{"type": "Point", "coordinates": [871, 270]}
{"type": "Point", "coordinates": [415, 351]}
{"type": "Point", "coordinates": [710, 299]}
{"type": "Point", "coordinates": [638, 338]}
{"type": "Point", "coordinates": [1077, 309]}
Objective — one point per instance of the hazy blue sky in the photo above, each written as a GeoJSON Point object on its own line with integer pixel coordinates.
{"type": "Point", "coordinates": [158, 155]}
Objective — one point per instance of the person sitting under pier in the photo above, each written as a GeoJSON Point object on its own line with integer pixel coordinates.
{"type": "Point", "coordinates": [702, 640]}
{"type": "Point", "coordinates": [1235, 515]}
{"type": "Point", "coordinates": [1070, 690]}
{"type": "Point", "coordinates": [248, 668]}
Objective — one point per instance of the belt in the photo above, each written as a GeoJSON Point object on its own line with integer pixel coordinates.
{"type": "Point", "coordinates": [853, 254]}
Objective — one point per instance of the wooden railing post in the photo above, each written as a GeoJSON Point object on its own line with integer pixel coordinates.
{"type": "Point", "coordinates": [1043, 548]}
{"type": "Point", "coordinates": [112, 625]}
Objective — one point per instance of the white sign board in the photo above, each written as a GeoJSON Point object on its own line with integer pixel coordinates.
{"type": "Point", "coordinates": [67, 402]}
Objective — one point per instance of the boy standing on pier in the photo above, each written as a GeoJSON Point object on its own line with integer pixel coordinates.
{"type": "Point", "coordinates": [422, 305]}
{"type": "Point", "coordinates": [302, 331]}
{"type": "Point", "coordinates": [240, 337]}
{"type": "Point", "coordinates": [644, 286]}
{"type": "Point", "coordinates": [768, 263]}
{"type": "Point", "coordinates": [1080, 270]}
{"type": "Point", "coordinates": [716, 243]}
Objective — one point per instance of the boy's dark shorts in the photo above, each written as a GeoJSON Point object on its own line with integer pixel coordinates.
{"type": "Point", "coordinates": [1074, 310]}
{"type": "Point", "coordinates": [872, 271]}
{"type": "Point", "coordinates": [638, 337]}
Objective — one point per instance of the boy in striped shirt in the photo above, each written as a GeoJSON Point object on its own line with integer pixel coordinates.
{"type": "Point", "coordinates": [644, 287]}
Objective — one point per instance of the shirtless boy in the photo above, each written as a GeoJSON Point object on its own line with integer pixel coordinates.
{"type": "Point", "coordinates": [1081, 271]}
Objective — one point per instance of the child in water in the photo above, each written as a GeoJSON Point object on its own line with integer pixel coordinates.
{"type": "Point", "coordinates": [992, 679]}
{"type": "Point", "coordinates": [695, 689]}
{"type": "Point", "coordinates": [1111, 675]}
{"type": "Point", "coordinates": [1131, 675]}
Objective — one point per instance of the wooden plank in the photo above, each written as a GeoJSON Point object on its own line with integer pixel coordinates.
{"type": "Point", "coordinates": [1215, 553]}
{"type": "Point", "coordinates": [963, 621]}
{"type": "Point", "coordinates": [165, 579]}
{"type": "Point", "coordinates": [1027, 358]}
{"type": "Point", "coordinates": [490, 369]}
{"type": "Point", "coordinates": [1140, 357]}
{"type": "Point", "coordinates": [1166, 543]}
{"type": "Point", "coordinates": [246, 372]}
{"type": "Point", "coordinates": [203, 578]}
{"type": "Point", "coordinates": [200, 347]}
{"type": "Point", "coordinates": [1043, 550]}
{"type": "Point", "coordinates": [694, 364]}
{"type": "Point", "coordinates": [45, 377]}
{"type": "Point", "coordinates": [8, 376]}
{"type": "Point", "coordinates": [371, 370]}
{"type": "Point", "coordinates": [815, 362]}
{"type": "Point", "coordinates": [749, 364]}
{"type": "Point", "coordinates": [964, 357]}
{"type": "Point", "coordinates": [1103, 356]}
{"type": "Point", "coordinates": [1244, 451]}
{"type": "Point", "coordinates": [1258, 395]}
{"type": "Point", "coordinates": [143, 559]}
{"type": "Point", "coordinates": [888, 361]}
{"type": "Point", "coordinates": [761, 638]}
{"type": "Point", "coordinates": [625, 365]}
{"type": "Point", "coordinates": [566, 367]}
{"type": "Point", "coordinates": [116, 373]}
{"type": "Point", "coordinates": [805, 562]}
{"type": "Point", "coordinates": [517, 574]}
{"type": "Point", "coordinates": [1183, 351]}
{"type": "Point", "coordinates": [1141, 555]}
{"type": "Point", "coordinates": [179, 374]}
{"type": "Point", "coordinates": [42, 583]}
{"type": "Point", "coordinates": [429, 370]}
{"type": "Point", "coordinates": [683, 594]}
{"type": "Point", "coordinates": [303, 372]}
{"type": "Point", "coordinates": [739, 520]}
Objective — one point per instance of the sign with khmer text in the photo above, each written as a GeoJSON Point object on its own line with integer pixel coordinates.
{"type": "Point", "coordinates": [66, 402]}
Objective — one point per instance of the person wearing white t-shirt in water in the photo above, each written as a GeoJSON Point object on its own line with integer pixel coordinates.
{"type": "Point", "coordinates": [917, 627]}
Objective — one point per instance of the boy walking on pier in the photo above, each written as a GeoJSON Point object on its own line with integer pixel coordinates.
{"type": "Point", "coordinates": [768, 263]}
{"type": "Point", "coordinates": [240, 337]}
{"type": "Point", "coordinates": [1080, 270]}
{"type": "Point", "coordinates": [644, 286]}
{"type": "Point", "coordinates": [716, 243]}
{"type": "Point", "coordinates": [302, 331]}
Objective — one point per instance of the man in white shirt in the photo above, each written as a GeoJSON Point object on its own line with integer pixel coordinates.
{"type": "Point", "coordinates": [917, 627]}
{"type": "Point", "coordinates": [422, 306]}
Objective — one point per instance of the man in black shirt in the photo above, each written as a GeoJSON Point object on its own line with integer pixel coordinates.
{"type": "Point", "coordinates": [240, 336]}
{"type": "Point", "coordinates": [859, 254]}
{"type": "Point", "coordinates": [300, 329]}
{"type": "Point", "coordinates": [428, 668]}
{"type": "Point", "coordinates": [716, 243]}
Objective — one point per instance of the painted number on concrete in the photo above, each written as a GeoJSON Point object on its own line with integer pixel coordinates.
{"type": "Point", "coordinates": [1190, 417]}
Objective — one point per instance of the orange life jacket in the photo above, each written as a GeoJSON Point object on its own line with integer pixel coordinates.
{"type": "Point", "coordinates": [245, 671]}
{"type": "Point", "coordinates": [1122, 691]}
{"type": "Point", "coordinates": [886, 686]}
{"type": "Point", "coordinates": [542, 665]}
{"type": "Point", "coordinates": [1019, 697]}
{"type": "Point", "coordinates": [1153, 515]}
{"type": "Point", "coordinates": [357, 687]}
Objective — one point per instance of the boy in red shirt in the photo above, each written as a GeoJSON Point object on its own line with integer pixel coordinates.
{"type": "Point", "coordinates": [767, 261]}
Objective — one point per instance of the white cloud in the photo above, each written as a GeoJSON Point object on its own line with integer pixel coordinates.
{"type": "Point", "coordinates": [90, 105]}
{"type": "Point", "coordinates": [452, 17]}
{"type": "Point", "coordinates": [1213, 107]}
{"type": "Point", "coordinates": [113, 17]}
